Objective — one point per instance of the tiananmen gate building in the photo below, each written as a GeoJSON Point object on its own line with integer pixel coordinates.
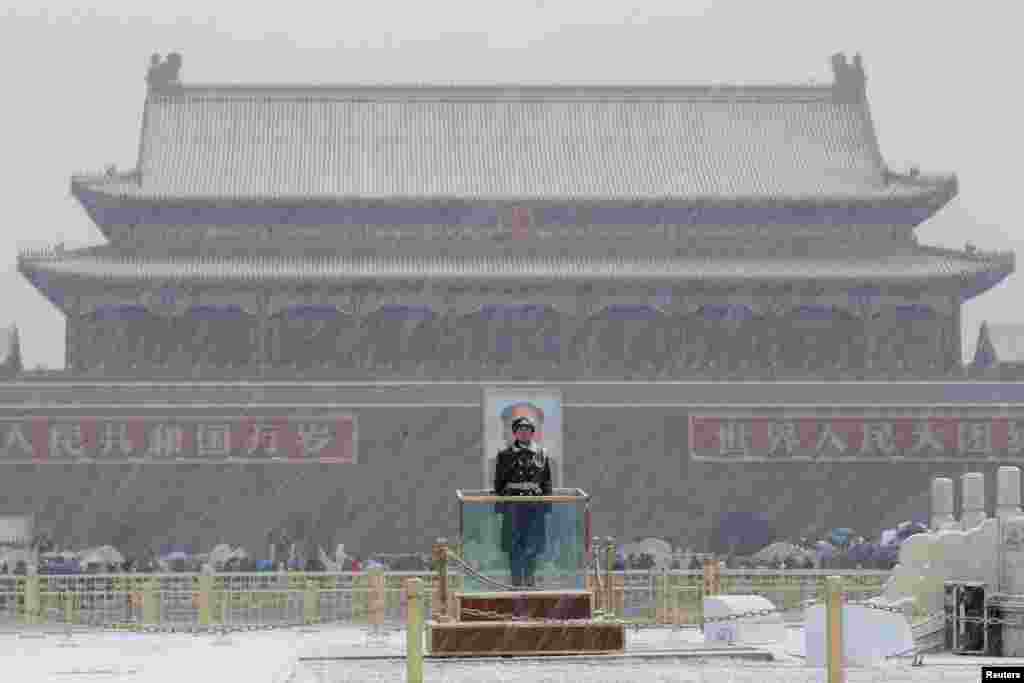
{"type": "Point", "coordinates": [307, 290]}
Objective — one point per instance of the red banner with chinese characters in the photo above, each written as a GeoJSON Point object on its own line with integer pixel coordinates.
{"type": "Point", "coordinates": [237, 438]}
{"type": "Point", "coordinates": [849, 438]}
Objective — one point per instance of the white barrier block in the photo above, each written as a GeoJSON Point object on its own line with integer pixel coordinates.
{"type": "Point", "coordinates": [869, 635]}
{"type": "Point", "coordinates": [758, 629]}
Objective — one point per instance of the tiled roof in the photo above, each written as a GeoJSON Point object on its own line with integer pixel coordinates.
{"type": "Point", "coordinates": [896, 265]}
{"type": "Point", "coordinates": [509, 143]}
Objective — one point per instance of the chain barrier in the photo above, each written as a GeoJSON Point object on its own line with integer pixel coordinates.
{"type": "Point", "coordinates": [876, 606]}
{"type": "Point", "coordinates": [497, 616]}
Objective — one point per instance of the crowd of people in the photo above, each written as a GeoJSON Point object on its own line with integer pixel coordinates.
{"type": "Point", "coordinates": [196, 565]}
{"type": "Point", "coordinates": [838, 549]}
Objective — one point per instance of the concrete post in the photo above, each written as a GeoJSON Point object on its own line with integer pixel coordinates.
{"type": "Point", "coordinates": [1008, 492]}
{"type": "Point", "coordinates": [942, 503]}
{"type": "Point", "coordinates": [972, 509]}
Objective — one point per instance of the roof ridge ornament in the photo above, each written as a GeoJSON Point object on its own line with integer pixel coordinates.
{"type": "Point", "coordinates": [164, 75]}
{"type": "Point", "coordinates": [850, 83]}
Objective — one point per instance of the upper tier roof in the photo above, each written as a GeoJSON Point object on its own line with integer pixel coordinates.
{"type": "Point", "coordinates": [514, 143]}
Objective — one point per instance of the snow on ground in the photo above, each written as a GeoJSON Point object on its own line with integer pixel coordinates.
{"type": "Point", "coordinates": [273, 657]}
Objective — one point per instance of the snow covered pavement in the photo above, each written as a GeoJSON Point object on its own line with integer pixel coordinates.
{"type": "Point", "coordinates": [274, 657]}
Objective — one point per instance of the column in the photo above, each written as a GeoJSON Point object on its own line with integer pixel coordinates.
{"type": "Point", "coordinates": [942, 504]}
{"type": "Point", "coordinates": [972, 509]}
{"type": "Point", "coordinates": [957, 336]}
{"type": "Point", "coordinates": [71, 352]}
{"type": "Point", "coordinates": [276, 324]}
{"type": "Point", "coordinates": [677, 357]}
{"type": "Point", "coordinates": [143, 331]}
{"type": "Point", "coordinates": [1008, 492]}
{"type": "Point", "coordinates": [870, 340]}
{"type": "Point", "coordinates": [261, 329]}
{"type": "Point", "coordinates": [203, 350]}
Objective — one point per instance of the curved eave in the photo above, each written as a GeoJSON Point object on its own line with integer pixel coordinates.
{"type": "Point", "coordinates": [933, 196]}
{"type": "Point", "coordinates": [973, 273]}
{"type": "Point", "coordinates": [98, 194]}
{"type": "Point", "coordinates": [979, 283]}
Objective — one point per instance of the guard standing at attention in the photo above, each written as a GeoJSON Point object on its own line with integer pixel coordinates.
{"type": "Point", "coordinates": [523, 469]}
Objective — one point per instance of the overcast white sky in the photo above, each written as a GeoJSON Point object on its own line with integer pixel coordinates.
{"type": "Point", "coordinates": [944, 92]}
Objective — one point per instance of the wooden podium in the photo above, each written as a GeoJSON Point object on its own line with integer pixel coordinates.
{"type": "Point", "coordinates": [558, 621]}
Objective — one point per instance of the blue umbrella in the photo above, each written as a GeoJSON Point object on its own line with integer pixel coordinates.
{"type": "Point", "coordinates": [177, 555]}
{"type": "Point", "coordinates": [861, 553]}
{"type": "Point", "coordinates": [909, 529]}
{"type": "Point", "coordinates": [840, 536]}
{"type": "Point", "coordinates": [825, 550]}
{"type": "Point", "coordinates": [742, 533]}
{"type": "Point", "coordinates": [888, 554]}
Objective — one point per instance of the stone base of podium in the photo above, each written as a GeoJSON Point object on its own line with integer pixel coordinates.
{"type": "Point", "coordinates": [525, 638]}
{"type": "Point", "coordinates": [524, 605]}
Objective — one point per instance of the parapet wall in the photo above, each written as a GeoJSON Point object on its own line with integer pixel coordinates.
{"type": "Point", "coordinates": [973, 548]}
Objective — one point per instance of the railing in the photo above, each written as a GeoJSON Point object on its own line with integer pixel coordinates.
{"type": "Point", "coordinates": [271, 600]}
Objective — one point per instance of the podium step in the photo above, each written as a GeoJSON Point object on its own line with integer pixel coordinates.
{"type": "Point", "coordinates": [525, 638]}
{"type": "Point", "coordinates": [564, 604]}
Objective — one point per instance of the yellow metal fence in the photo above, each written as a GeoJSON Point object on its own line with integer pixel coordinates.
{"type": "Point", "coordinates": [374, 598]}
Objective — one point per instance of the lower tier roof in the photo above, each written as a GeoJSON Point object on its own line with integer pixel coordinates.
{"type": "Point", "coordinates": [901, 264]}
{"type": "Point", "coordinates": [186, 393]}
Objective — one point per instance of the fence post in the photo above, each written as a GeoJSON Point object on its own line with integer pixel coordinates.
{"type": "Point", "coordinates": [376, 604]}
{"type": "Point", "coordinates": [610, 586]}
{"type": "Point", "coordinates": [712, 582]}
{"type": "Point", "coordinates": [205, 595]}
{"type": "Point", "coordinates": [662, 596]}
{"type": "Point", "coordinates": [414, 633]}
{"type": "Point", "coordinates": [151, 603]}
{"type": "Point", "coordinates": [834, 628]}
{"type": "Point", "coordinates": [441, 566]}
{"type": "Point", "coordinates": [32, 600]}
{"type": "Point", "coordinates": [311, 603]}
{"type": "Point", "coordinates": [69, 607]}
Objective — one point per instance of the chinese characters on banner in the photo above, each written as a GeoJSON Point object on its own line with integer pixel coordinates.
{"type": "Point", "coordinates": [330, 439]}
{"type": "Point", "coordinates": [824, 439]}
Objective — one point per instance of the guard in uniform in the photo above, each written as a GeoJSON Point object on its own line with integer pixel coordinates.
{"type": "Point", "coordinates": [523, 469]}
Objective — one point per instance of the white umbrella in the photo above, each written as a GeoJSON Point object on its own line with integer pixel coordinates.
{"type": "Point", "coordinates": [220, 554]}
{"type": "Point", "coordinates": [111, 554]}
{"type": "Point", "coordinates": [329, 564]}
{"type": "Point", "coordinates": [776, 552]}
{"type": "Point", "coordinates": [93, 557]}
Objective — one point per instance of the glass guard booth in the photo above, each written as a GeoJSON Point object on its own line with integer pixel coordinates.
{"type": "Point", "coordinates": [556, 528]}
